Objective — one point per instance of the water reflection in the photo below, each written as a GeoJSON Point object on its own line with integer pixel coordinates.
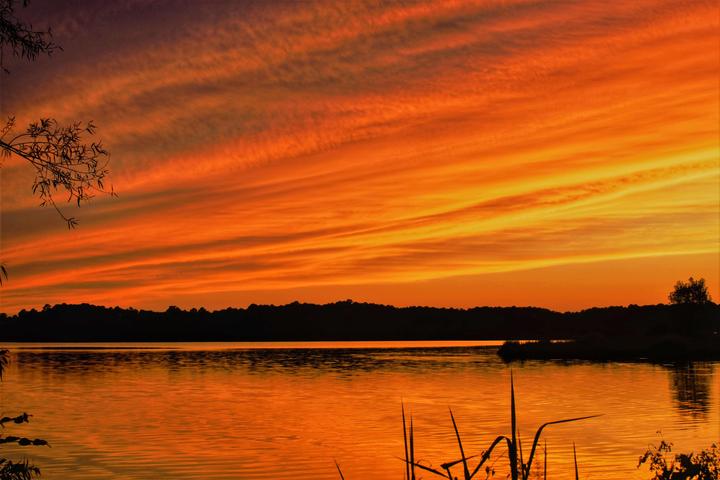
{"type": "Point", "coordinates": [309, 406]}
{"type": "Point", "coordinates": [263, 361]}
{"type": "Point", "coordinates": [691, 385]}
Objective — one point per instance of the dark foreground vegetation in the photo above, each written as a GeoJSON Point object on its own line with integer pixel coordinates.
{"type": "Point", "coordinates": [685, 326]}
{"type": "Point", "coordinates": [659, 460]}
{"type": "Point", "coordinates": [473, 465]}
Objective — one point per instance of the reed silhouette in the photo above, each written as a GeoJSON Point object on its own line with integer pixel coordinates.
{"type": "Point", "coordinates": [704, 465]}
{"type": "Point", "coordinates": [519, 468]}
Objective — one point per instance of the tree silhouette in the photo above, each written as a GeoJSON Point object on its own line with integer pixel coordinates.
{"type": "Point", "coordinates": [690, 292]}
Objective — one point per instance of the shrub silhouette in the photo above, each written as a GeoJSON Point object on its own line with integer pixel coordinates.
{"type": "Point", "coordinates": [684, 466]}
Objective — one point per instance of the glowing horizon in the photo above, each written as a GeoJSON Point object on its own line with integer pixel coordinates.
{"type": "Point", "coordinates": [449, 153]}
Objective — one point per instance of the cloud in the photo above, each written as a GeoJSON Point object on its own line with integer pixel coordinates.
{"type": "Point", "coordinates": [296, 144]}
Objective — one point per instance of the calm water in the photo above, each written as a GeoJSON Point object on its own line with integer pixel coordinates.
{"type": "Point", "coordinates": [287, 411]}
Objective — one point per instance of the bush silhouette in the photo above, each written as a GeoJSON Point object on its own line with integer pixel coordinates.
{"type": "Point", "coordinates": [684, 466]}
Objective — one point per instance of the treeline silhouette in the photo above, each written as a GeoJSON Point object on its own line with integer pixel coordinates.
{"type": "Point", "coordinates": [348, 320]}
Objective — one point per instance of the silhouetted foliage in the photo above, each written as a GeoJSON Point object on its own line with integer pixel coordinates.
{"type": "Point", "coordinates": [684, 466]}
{"type": "Point", "coordinates": [20, 38]}
{"type": "Point", "coordinates": [693, 291]}
{"type": "Point", "coordinates": [62, 158]}
{"type": "Point", "coordinates": [22, 470]}
{"type": "Point", "coordinates": [10, 470]}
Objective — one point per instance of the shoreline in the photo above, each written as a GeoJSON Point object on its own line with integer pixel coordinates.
{"type": "Point", "coordinates": [648, 349]}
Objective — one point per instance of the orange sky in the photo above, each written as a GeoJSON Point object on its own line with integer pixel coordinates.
{"type": "Point", "coordinates": [456, 153]}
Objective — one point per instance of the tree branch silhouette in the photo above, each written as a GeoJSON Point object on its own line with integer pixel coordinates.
{"type": "Point", "coordinates": [62, 159]}
{"type": "Point", "coordinates": [20, 38]}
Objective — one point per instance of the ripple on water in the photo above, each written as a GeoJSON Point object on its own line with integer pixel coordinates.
{"type": "Point", "coordinates": [241, 412]}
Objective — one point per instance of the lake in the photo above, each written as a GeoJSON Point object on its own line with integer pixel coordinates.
{"type": "Point", "coordinates": [290, 410]}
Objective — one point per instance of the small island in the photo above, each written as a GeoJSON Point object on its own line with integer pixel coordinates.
{"type": "Point", "coordinates": [692, 333]}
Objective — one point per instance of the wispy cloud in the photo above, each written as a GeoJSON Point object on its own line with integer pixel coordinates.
{"type": "Point", "coordinates": [273, 146]}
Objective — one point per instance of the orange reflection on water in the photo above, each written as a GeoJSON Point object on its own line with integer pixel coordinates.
{"type": "Point", "coordinates": [254, 413]}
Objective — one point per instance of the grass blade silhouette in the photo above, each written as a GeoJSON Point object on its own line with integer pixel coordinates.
{"type": "Point", "coordinates": [519, 470]}
{"type": "Point", "coordinates": [577, 474]}
{"type": "Point", "coordinates": [514, 445]}
{"type": "Point", "coordinates": [342, 477]}
{"type": "Point", "coordinates": [536, 440]}
{"type": "Point", "coordinates": [432, 470]}
{"type": "Point", "coordinates": [412, 451]}
{"type": "Point", "coordinates": [405, 441]}
{"type": "Point", "coordinates": [448, 465]}
{"type": "Point", "coordinates": [466, 471]}
{"type": "Point", "coordinates": [512, 453]}
{"type": "Point", "coordinates": [524, 474]}
{"type": "Point", "coordinates": [485, 456]}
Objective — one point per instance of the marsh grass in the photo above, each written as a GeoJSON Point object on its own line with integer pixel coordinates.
{"type": "Point", "coordinates": [519, 468]}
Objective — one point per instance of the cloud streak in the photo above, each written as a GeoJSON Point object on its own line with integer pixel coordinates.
{"type": "Point", "coordinates": [288, 146]}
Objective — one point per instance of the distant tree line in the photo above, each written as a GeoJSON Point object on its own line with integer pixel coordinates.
{"type": "Point", "coordinates": [348, 320]}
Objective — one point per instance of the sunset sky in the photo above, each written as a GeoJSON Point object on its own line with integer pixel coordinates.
{"type": "Point", "coordinates": [562, 154]}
